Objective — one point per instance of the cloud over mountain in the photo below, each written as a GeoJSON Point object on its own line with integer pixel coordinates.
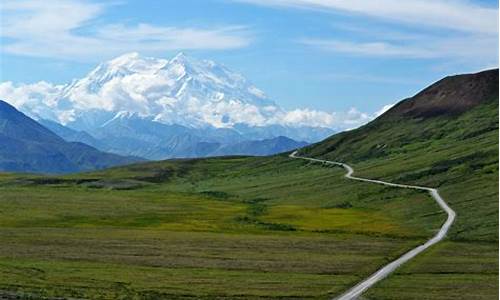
{"type": "Point", "coordinates": [182, 90]}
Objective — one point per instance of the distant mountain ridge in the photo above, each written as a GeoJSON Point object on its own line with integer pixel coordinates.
{"type": "Point", "coordinates": [154, 140]}
{"type": "Point", "coordinates": [261, 147]}
{"type": "Point", "coordinates": [69, 134]}
{"type": "Point", "coordinates": [27, 146]}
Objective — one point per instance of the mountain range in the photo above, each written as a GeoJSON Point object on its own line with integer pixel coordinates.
{"type": "Point", "coordinates": [27, 146]}
{"type": "Point", "coordinates": [158, 108]}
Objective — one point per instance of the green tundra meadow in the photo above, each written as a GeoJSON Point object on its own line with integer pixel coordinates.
{"type": "Point", "coordinates": [265, 227]}
{"type": "Point", "coordinates": [206, 229]}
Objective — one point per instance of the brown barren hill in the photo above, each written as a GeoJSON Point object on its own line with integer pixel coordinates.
{"type": "Point", "coordinates": [451, 95]}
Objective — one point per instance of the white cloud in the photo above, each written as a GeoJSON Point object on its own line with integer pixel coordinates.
{"type": "Point", "coordinates": [42, 100]}
{"type": "Point", "coordinates": [457, 15]}
{"type": "Point", "coordinates": [309, 117]}
{"type": "Point", "coordinates": [480, 48]}
{"type": "Point", "coordinates": [458, 30]}
{"type": "Point", "coordinates": [370, 48]}
{"type": "Point", "coordinates": [161, 38]}
{"type": "Point", "coordinates": [37, 98]}
{"type": "Point", "coordinates": [340, 120]}
{"type": "Point", "coordinates": [67, 29]}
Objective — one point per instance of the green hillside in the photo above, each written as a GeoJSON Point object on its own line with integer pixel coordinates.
{"type": "Point", "coordinates": [272, 227]}
{"type": "Point", "coordinates": [454, 149]}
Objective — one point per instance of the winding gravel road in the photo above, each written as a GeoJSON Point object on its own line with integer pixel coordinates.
{"type": "Point", "coordinates": [361, 287]}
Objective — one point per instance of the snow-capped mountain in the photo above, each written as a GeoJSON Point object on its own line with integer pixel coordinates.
{"type": "Point", "coordinates": [180, 91]}
{"type": "Point", "coordinates": [159, 108]}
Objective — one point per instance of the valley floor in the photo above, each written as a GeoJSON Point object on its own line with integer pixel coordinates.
{"type": "Point", "coordinates": [225, 228]}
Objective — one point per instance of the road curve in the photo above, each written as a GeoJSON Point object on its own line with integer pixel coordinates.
{"type": "Point", "coordinates": [361, 287]}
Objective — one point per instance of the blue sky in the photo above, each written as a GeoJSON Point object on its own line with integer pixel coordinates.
{"type": "Point", "coordinates": [323, 54]}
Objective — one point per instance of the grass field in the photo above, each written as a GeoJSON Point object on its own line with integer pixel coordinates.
{"type": "Point", "coordinates": [265, 228]}
{"type": "Point", "coordinates": [249, 228]}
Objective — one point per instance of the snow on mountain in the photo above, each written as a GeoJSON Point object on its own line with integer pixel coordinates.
{"type": "Point", "coordinates": [182, 90]}
{"type": "Point", "coordinates": [159, 108]}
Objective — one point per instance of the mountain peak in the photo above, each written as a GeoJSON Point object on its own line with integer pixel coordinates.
{"type": "Point", "coordinates": [4, 106]}
{"type": "Point", "coordinates": [15, 124]}
{"type": "Point", "coordinates": [121, 66]}
{"type": "Point", "coordinates": [180, 56]}
{"type": "Point", "coordinates": [127, 56]}
{"type": "Point", "coordinates": [183, 59]}
{"type": "Point", "coordinates": [182, 90]}
{"type": "Point", "coordinates": [451, 95]}
{"type": "Point", "coordinates": [125, 60]}
{"type": "Point", "coordinates": [134, 62]}
{"type": "Point", "coordinates": [28, 146]}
